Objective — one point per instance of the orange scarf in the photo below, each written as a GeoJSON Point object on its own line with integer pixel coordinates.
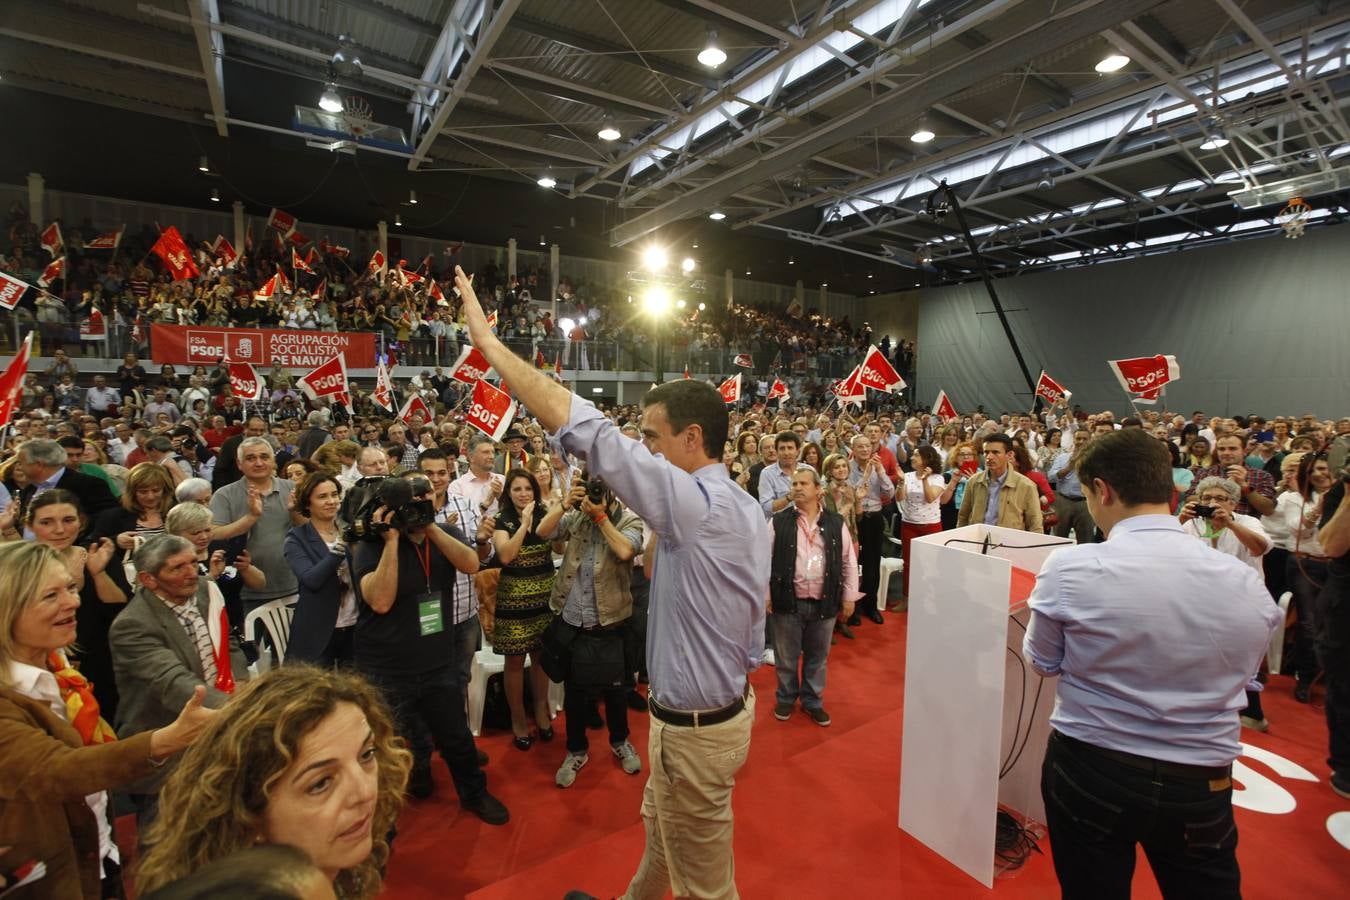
{"type": "Point", "coordinates": [81, 706]}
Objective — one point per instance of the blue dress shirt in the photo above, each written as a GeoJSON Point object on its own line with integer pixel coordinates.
{"type": "Point", "coordinates": [1067, 484]}
{"type": "Point", "coordinates": [705, 628]}
{"type": "Point", "coordinates": [1154, 638]}
{"type": "Point", "coordinates": [995, 488]}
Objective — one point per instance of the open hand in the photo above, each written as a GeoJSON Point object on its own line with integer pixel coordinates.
{"type": "Point", "coordinates": [100, 554]}
{"type": "Point", "coordinates": [479, 332]}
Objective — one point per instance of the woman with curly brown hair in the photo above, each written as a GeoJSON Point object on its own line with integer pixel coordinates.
{"type": "Point", "coordinates": [301, 756]}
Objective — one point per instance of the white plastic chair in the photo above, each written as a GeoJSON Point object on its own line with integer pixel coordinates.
{"type": "Point", "coordinates": [889, 566]}
{"type": "Point", "coordinates": [1275, 652]}
{"type": "Point", "coordinates": [275, 616]}
{"type": "Point", "coordinates": [486, 663]}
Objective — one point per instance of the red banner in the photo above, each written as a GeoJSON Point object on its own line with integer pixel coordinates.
{"type": "Point", "coordinates": [11, 290]}
{"type": "Point", "coordinates": [1050, 390]}
{"type": "Point", "coordinates": [189, 345]}
{"type": "Point", "coordinates": [1145, 375]}
{"type": "Point", "coordinates": [51, 239]}
{"type": "Point", "coordinates": [851, 389]}
{"type": "Point", "coordinates": [225, 250]}
{"type": "Point", "coordinates": [415, 406]}
{"type": "Point", "coordinates": [244, 381]}
{"type": "Point", "coordinates": [94, 328]}
{"type": "Point", "coordinates": [470, 367]}
{"type": "Point", "coordinates": [281, 220]}
{"type": "Point", "coordinates": [110, 241]}
{"type": "Point", "coordinates": [491, 410]}
{"type": "Point", "coordinates": [744, 361]}
{"type": "Point", "coordinates": [328, 380]}
{"type": "Point", "coordinates": [878, 374]}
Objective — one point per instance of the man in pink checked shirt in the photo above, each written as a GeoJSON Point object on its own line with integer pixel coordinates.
{"type": "Point", "coordinates": [814, 574]}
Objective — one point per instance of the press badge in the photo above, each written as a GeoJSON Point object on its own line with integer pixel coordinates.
{"type": "Point", "coordinates": [429, 619]}
{"type": "Point", "coordinates": [815, 565]}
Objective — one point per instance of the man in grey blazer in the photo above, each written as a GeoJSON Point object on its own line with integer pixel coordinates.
{"type": "Point", "coordinates": [163, 647]}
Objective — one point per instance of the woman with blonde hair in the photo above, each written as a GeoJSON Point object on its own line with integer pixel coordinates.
{"type": "Point", "coordinates": [301, 756]}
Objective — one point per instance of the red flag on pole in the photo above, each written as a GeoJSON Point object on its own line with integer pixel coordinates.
{"type": "Point", "coordinates": [384, 386]}
{"type": "Point", "coordinates": [340, 252]}
{"type": "Point", "coordinates": [11, 290]}
{"type": "Point", "coordinates": [11, 382]}
{"type": "Point", "coordinates": [491, 319]}
{"type": "Point", "coordinates": [470, 367]}
{"type": "Point", "coordinates": [1145, 375]}
{"type": "Point", "coordinates": [244, 381]}
{"type": "Point", "coordinates": [299, 264]}
{"type": "Point", "coordinates": [378, 266]}
{"type": "Point", "coordinates": [731, 389]}
{"type": "Point", "coordinates": [225, 250]}
{"type": "Point", "coordinates": [51, 239]}
{"type": "Point", "coordinates": [415, 404]}
{"type": "Point", "coordinates": [110, 241]}
{"type": "Point", "coordinates": [268, 289]}
{"type": "Point", "coordinates": [55, 271]}
{"type": "Point", "coordinates": [282, 281]}
{"type": "Point", "coordinates": [779, 391]}
{"type": "Point", "coordinates": [328, 380]}
{"type": "Point", "coordinates": [435, 293]}
{"type": "Point", "coordinates": [298, 238]}
{"type": "Point", "coordinates": [282, 221]}
{"type": "Point", "coordinates": [1051, 391]}
{"type": "Point", "coordinates": [171, 248]}
{"type": "Point", "coordinates": [321, 292]}
{"type": "Point", "coordinates": [851, 389]}
{"type": "Point", "coordinates": [943, 408]}
{"type": "Point", "coordinates": [218, 629]}
{"type": "Point", "coordinates": [878, 374]}
{"type": "Point", "coordinates": [744, 361]}
{"type": "Point", "coordinates": [490, 410]}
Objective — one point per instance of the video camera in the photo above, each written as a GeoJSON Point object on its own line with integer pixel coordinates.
{"type": "Point", "coordinates": [368, 495]}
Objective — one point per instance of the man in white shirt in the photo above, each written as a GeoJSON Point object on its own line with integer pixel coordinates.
{"type": "Point", "coordinates": [480, 485]}
{"type": "Point", "coordinates": [101, 400]}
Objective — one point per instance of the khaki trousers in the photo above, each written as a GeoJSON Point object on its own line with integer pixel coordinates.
{"type": "Point", "coordinates": [686, 808]}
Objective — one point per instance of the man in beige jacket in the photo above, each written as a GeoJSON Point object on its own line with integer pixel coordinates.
{"type": "Point", "coordinates": [999, 495]}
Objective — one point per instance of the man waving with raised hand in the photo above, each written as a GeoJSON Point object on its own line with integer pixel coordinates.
{"type": "Point", "coordinates": [708, 593]}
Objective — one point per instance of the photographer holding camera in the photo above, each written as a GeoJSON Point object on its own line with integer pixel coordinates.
{"type": "Point", "coordinates": [593, 598]}
{"type": "Point", "coordinates": [1333, 628]}
{"type": "Point", "coordinates": [405, 565]}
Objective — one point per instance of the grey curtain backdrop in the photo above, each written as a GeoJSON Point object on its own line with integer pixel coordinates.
{"type": "Point", "coordinates": [1257, 326]}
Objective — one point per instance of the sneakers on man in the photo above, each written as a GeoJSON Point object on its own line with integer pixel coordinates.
{"type": "Point", "coordinates": [488, 808]}
{"type": "Point", "coordinates": [1254, 724]}
{"type": "Point", "coordinates": [567, 772]}
{"type": "Point", "coordinates": [782, 711]}
{"type": "Point", "coordinates": [628, 757]}
{"type": "Point", "coordinates": [819, 716]}
{"type": "Point", "coordinates": [768, 657]}
{"type": "Point", "coordinates": [1340, 783]}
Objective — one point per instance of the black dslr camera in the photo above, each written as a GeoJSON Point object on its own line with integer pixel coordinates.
{"type": "Point", "coordinates": [366, 497]}
{"type": "Point", "coordinates": [595, 489]}
{"type": "Point", "coordinates": [1204, 512]}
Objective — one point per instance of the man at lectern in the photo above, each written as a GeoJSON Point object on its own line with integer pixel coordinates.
{"type": "Point", "coordinates": [1135, 759]}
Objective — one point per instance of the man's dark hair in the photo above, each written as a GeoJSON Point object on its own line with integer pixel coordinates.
{"type": "Point", "coordinates": [689, 402]}
{"type": "Point", "coordinates": [1135, 464]}
{"type": "Point", "coordinates": [433, 453]}
{"type": "Point", "coordinates": [999, 438]}
{"type": "Point", "coordinates": [787, 437]}
{"type": "Point", "coordinates": [1131, 422]}
{"type": "Point", "coordinates": [266, 872]}
{"type": "Point", "coordinates": [71, 442]}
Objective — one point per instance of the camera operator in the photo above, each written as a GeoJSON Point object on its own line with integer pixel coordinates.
{"type": "Point", "coordinates": [1333, 629]}
{"type": "Point", "coordinates": [593, 595]}
{"type": "Point", "coordinates": [406, 567]}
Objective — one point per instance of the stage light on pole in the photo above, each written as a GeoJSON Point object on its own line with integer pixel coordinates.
{"type": "Point", "coordinates": [688, 265]}
{"type": "Point", "coordinates": [654, 258]}
{"type": "Point", "coordinates": [679, 304]}
{"type": "Point", "coordinates": [702, 307]}
{"type": "Point", "coordinates": [712, 55]}
{"type": "Point", "coordinates": [330, 100]}
{"type": "Point", "coordinates": [1112, 62]}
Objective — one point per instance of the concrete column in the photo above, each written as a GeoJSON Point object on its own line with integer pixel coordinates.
{"type": "Point", "coordinates": [382, 228]}
{"type": "Point", "coordinates": [37, 192]}
{"type": "Point", "coordinates": [822, 305]}
{"type": "Point", "coordinates": [730, 288]}
{"type": "Point", "coordinates": [554, 264]}
{"type": "Point", "coordinates": [618, 393]}
{"type": "Point", "coordinates": [511, 258]}
{"type": "Point", "coordinates": [238, 209]}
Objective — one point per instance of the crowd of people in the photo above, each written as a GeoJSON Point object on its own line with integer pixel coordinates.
{"type": "Point", "coordinates": [148, 520]}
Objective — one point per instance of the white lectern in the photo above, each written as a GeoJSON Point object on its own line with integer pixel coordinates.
{"type": "Point", "coordinates": [969, 707]}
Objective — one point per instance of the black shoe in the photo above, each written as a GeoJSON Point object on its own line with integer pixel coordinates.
{"type": "Point", "coordinates": [1340, 784]}
{"type": "Point", "coordinates": [488, 808]}
{"type": "Point", "coordinates": [843, 630]}
{"type": "Point", "coordinates": [482, 758]}
{"type": "Point", "coordinates": [523, 743]}
{"type": "Point", "coordinates": [1302, 691]}
{"type": "Point", "coordinates": [420, 784]}
{"type": "Point", "coordinates": [876, 616]}
{"type": "Point", "coordinates": [636, 701]}
{"type": "Point", "coordinates": [579, 895]}
{"type": "Point", "coordinates": [593, 719]}
{"type": "Point", "coordinates": [819, 716]}
{"type": "Point", "coordinates": [546, 734]}
{"type": "Point", "coordinates": [854, 620]}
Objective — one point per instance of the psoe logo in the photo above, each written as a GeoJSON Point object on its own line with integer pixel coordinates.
{"type": "Point", "coordinates": [244, 346]}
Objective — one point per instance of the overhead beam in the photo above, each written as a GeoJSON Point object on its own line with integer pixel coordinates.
{"type": "Point", "coordinates": [102, 98]}
{"type": "Point", "coordinates": [958, 75]}
{"type": "Point", "coordinates": [724, 19]}
{"type": "Point", "coordinates": [616, 52]}
{"type": "Point", "coordinates": [209, 47]}
{"type": "Point", "coordinates": [100, 53]}
{"type": "Point", "coordinates": [394, 15]}
{"type": "Point", "coordinates": [304, 36]}
{"type": "Point", "coordinates": [1058, 94]}
{"type": "Point", "coordinates": [562, 87]}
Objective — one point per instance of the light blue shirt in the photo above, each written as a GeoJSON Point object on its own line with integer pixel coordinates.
{"type": "Point", "coordinates": [774, 483]}
{"type": "Point", "coordinates": [705, 629]}
{"type": "Point", "coordinates": [1067, 484]}
{"type": "Point", "coordinates": [995, 488]}
{"type": "Point", "coordinates": [1154, 638]}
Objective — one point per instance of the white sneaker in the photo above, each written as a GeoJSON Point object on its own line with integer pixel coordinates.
{"type": "Point", "coordinates": [567, 772]}
{"type": "Point", "coordinates": [768, 656]}
{"type": "Point", "coordinates": [628, 757]}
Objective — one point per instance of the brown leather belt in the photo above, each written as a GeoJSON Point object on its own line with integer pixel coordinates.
{"type": "Point", "coordinates": [701, 718]}
{"type": "Point", "coordinates": [1313, 557]}
{"type": "Point", "coordinates": [1145, 764]}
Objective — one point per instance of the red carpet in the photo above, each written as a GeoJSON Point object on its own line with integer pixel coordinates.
{"type": "Point", "coordinates": [836, 789]}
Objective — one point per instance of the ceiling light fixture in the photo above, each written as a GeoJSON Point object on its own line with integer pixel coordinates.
{"type": "Point", "coordinates": [717, 215]}
{"type": "Point", "coordinates": [398, 220]}
{"type": "Point", "coordinates": [330, 100]}
{"type": "Point", "coordinates": [923, 133]}
{"type": "Point", "coordinates": [791, 261]}
{"type": "Point", "coordinates": [608, 130]}
{"type": "Point", "coordinates": [203, 165]}
{"type": "Point", "coordinates": [687, 265]}
{"type": "Point", "coordinates": [412, 198]}
{"type": "Point", "coordinates": [1214, 136]}
{"type": "Point", "coordinates": [346, 62]}
{"type": "Point", "coordinates": [547, 180]}
{"type": "Point", "coordinates": [1112, 62]}
{"type": "Point", "coordinates": [712, 55]}
{"type": "Point", "coordinates": [215, 195]}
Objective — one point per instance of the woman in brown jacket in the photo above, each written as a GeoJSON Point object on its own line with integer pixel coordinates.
{"type": "Point", "coordinates": [57, 755]}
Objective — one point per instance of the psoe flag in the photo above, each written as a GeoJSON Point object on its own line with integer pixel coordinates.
{"type": "Point", "coordinates": [731, 389]}
{"type": "Point", "coordinates": [943, 407]}
{"type": "Point", "coordinates": [1145, 375]}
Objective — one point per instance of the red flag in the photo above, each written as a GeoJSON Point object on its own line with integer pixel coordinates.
{"type": "Point", "coordinates": [878, 374]}
{"type": "Point", "coordinates": [744, 361]}
{"type": "Point", "coordinates": [218, 629]}
{"type": "Point", "coordinates": [281, 221]}
{"type": "Point", "coordinates": [406, 277]}
{"type": "Point", "coordinates": [321, 292]}
{"type": "Point", "coordinates": [435, 293]}
{"type": "Point", "coordinates": [299, 264]}
{"type": "Point", "coordinates": [171, 248]}
{"type": "Point", "coordinates": [943, 408]}
{"type": "Point", "coordinates": [328, 380]}
{"type": "Point", "coordinates": [731, 389]}
{"type": "Point", "coordinates": [454, 248]}
{"type": "Point", "coordinates": [490, 410]}
{"type": "Point", "coordinates": [55, 271]}
{"type": "Point", "coordinates": [1145, 375]}
{"type": "Point", "coordinates": [268, 289]}
{"type": "Point", "coordinates": [470, 367]}
{"type": "Point", "coordinates": [557, 366]}
{"type": "Point", "coordinates": [491, 319]}
{"type": "Point", "coordinates": [51, 239]}
{"type": "Point", "coordinates": [384, 387]}
{"type": "Point", "coordinates": [686, 371]}
{"type": "Point", "coordinates": [244, 381]}
{"type": "Point", "coordinates": [313, 256]}
{"type": "Point", "coordinates": [248, 239]}
{"type": "Point", "coordinates": [283, 282]}
{"type": "Point", "coordinates": [779, 390]}
{"type": "Point", "coordinates": [1051, 391]}
{"type": "Point", "coordinates": [340, 252]}
{"type": "Point", "coordinates": [137, 334]}
{"type": "Point", "coordinates": [415, 404]}
{"type": "Point", "coordinates": [297, 238]}
{"type": "Point", "coordinates": [540, 361]}
{"type": "Point", "coordinates": [11, 290]}
{"type": "Point", "coordinates": [110, 241]}
{"type": "Point", "coordinates": [11, 382]}
{"type": "Point", "coordinates": [94, 328]}
{"type": "Point", "coordinates": [851, 389]}
{"type": "Point", "coordinates": [378, 266]}
{"type": "Point", "coordinates": [425, 267]}
{"type": "Point", "coordinates": [225, 250]}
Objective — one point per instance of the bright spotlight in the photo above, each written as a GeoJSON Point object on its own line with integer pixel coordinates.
{"type": "Point", "coordinates": [679, 304]}
{"type": "Point", "coordinates": [581, 321]}
{"type": "Point", "coordinates": [654, 258]}
{"type": "Point", "coordinates": [656, 301]}
{"type": "Point", "coordinates": [712, 55]}
{"type": "Point", "coordinates": [547, 180]}
{"type": "Point", "coordinates": [702, 307]}
{"type": "Point", "coordinates": [717, 215]}
{"type": "Point", "coordinates": [566, 325]}
{"type": "Point", "coordinates": [1112, 62]}
{"type": "Point", "coordinates": [688, 265]}
{"type": "Point", "coordinates": [330, 100]}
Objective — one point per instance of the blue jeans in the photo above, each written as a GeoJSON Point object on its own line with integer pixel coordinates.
{"type": "Point", "coordinates": [801, 635]}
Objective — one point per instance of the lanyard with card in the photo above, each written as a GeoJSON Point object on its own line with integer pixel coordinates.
{"type": "Point", "coordinates": [429, 616]}
{"type": "Point", "coordinates": [815, 549]}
